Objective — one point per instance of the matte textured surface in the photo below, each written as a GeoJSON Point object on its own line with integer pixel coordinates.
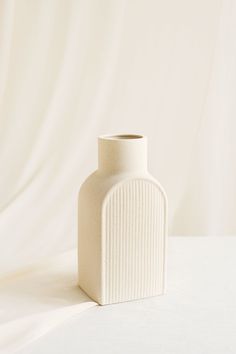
{"type": "Point", "coordinates": [122, 224]}
{"type": "Point", "coordinates": [134, 241]}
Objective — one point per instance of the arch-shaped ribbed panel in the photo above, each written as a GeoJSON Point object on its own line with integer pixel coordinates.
{"type": "Point", "coordinates": [133, 241]}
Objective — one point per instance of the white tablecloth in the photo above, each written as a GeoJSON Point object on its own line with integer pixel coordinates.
{"type": "Point", "coordinates": [197, 315]}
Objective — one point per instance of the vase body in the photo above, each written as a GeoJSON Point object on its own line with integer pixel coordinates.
{"type": "Point", "coordinates": [122, 225]}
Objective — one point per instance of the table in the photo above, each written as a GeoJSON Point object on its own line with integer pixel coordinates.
{"type": "Point", "coordinates": [196, 316]}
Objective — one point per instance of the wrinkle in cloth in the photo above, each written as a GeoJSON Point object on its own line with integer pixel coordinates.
{"type": "Point", "coordinates": [37, 299]}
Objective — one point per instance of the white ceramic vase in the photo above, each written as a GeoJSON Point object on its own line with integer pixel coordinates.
{"type": "Point", "coordinates": [122, 224]}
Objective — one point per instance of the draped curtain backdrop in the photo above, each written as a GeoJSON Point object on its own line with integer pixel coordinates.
{"type": "Point", "coordinates": [72, 70]}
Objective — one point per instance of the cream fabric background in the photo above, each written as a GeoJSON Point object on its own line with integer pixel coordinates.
{"type": "Point", "coordinates": [71, 70]}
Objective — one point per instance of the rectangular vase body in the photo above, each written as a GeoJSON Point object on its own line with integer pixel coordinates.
{"type": "Point", "coordinates": [123, 243]}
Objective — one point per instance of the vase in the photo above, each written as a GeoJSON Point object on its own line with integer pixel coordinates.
{"type": "Point", "coordinates": [122, 224]}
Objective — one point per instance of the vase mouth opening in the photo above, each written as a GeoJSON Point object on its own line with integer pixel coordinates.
{"type": "Point", "coordinates": [122, 137]}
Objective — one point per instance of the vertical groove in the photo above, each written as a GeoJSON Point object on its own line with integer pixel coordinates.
{"type": "Point", "coordinates": [134, 241]}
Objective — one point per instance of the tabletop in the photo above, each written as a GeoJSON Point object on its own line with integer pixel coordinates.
{"type": "Point", "coordinates": [196, 315]}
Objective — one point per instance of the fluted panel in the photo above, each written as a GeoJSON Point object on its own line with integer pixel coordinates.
{"type": "Point", "coordinates": [133, 241]}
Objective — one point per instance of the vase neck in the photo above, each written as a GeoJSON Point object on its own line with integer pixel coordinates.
{"type": "Point", "coordinates": [122, 154]}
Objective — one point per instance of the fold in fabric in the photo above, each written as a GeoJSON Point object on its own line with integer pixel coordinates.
{"type": "Point", "coordinates": [37, 299]}
{"type": "Point", "coordinates": [16, 334]}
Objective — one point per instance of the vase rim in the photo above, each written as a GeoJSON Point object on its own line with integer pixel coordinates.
{"type": "Point", "coordinates": [123, 137]}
